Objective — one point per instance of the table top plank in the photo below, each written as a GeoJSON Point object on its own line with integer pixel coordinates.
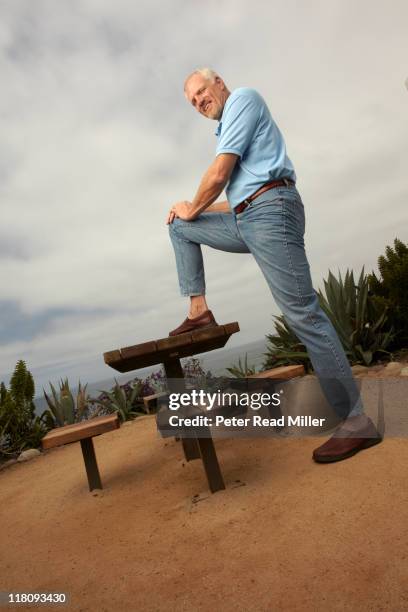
{"type": "Point", "coordinates": [174, 347]}
{"type": "Point", "coordinates": [211, 333]}
{"type": "Point", "coordinates": [112, 356]}
{"type": "Point", "coordinates": [231, 328]}
{"type": "Point", "coordinates": [138, 350]}
{"type": "Point", "coordinates": [173, 342]}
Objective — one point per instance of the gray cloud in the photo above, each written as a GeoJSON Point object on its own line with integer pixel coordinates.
{"type": "Point", "coordinates": [16, 325]}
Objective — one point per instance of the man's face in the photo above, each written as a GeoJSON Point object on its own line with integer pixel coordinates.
{"type": "Point", "coordinates": [207, 97]}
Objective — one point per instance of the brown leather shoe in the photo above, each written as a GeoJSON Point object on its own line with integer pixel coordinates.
{"type": "Point", "coordinates": [348, 440]}
{"type": "Point", "coordinates": [204, 320]}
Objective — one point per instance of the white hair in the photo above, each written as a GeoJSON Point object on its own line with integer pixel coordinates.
{"type": "Point", "coordinates": [207, 73]}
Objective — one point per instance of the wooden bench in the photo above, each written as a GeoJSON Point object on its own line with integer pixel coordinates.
{"type": "Point", "coordinates": [168, 351]}
{"type": "Point", "coordinates": [83, 432]}
{"type": "Point", "coordinates": [267, 380]}
{"type": "Point", "coordinates": [281, 372]}
{"type": "Point", "coordinates": [151, 401]}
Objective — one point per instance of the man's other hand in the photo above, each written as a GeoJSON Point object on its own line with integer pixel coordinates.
{"type": "Point", "coordinates": [182, 210]}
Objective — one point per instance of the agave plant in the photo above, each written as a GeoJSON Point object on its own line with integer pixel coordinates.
{"type": "Point", "coordinates": [285, 347]}
{"type": "Point", "coordinates": [64, 409]}
{"type": "Point", "coordinates": [242, 370]}
{"type": "Point", "coordinates": [117, 400]}
{"type": "Point", "coordinates": [360, 322]}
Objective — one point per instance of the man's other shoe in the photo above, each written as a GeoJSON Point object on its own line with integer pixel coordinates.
{"type": "Point", "coordinates": [348, 439]}
{"type": "Point", "coordinates": [204, 320]}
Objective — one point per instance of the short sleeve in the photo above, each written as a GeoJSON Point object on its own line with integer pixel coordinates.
{"type": "Point", "coordinates": [239, 124]}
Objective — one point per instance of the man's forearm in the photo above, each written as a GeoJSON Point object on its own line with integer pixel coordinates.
{"type": "Point", "coordinates": [219, 207]}
{"type": "Point", "coordinates": [212, 184]}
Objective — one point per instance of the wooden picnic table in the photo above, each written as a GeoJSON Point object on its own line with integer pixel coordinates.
{"type": "Point", "coordinates": [169, 351]}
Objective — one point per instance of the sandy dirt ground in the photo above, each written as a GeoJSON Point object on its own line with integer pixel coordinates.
{"type": "Point", "coordinates": [286, 534]}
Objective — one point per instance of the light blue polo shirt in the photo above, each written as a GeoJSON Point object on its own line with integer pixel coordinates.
{"type": "Point", "coordinates": [247, 129]}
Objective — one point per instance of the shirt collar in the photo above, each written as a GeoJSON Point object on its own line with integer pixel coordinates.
{"type": "Point", "coordinates": [219, 127]}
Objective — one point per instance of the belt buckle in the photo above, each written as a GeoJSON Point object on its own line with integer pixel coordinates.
{"type": "Point", "coordinates": [243, 205]}
{"type": "Point", "coordinates": [286, 182]}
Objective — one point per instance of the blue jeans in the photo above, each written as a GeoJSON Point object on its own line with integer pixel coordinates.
{"type": "Point", "coordinates": [272, 229]}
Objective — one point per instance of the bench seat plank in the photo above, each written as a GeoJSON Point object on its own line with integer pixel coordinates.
{"type": "Point", "coordinates": [80, 431]}
{"type": "Point", "coordinates": [281, 372]}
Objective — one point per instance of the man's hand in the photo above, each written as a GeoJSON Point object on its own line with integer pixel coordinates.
{"type": "Point", "coordinates": [181, 210]}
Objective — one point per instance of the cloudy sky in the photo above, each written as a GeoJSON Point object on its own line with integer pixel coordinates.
{"type": "Point", "coordinates": [97, 141]}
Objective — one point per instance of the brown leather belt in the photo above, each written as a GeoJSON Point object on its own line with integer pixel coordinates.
{"type": "Point", "coordinates": [280, 183]}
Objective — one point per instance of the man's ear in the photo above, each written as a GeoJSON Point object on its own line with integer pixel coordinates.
{"type": "Point", "coordinates": [220, 81]}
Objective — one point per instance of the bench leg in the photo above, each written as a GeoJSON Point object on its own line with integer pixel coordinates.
{"type": "Point", "coordinates": [191, 449]}
{"type": "Point", "coordinates": [88, 453]}
{"type": "Point", "coordinates": [175, 374]}
{"type": "Point", "coordinates": [211, 465]}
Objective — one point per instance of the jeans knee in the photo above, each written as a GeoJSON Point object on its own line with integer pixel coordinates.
{"type": "Point", "coordinates": [173, 229]}
{"type": "Point", "coordinates": [305, 315]}
{"type": "Point", "coordinates": [176, 226]}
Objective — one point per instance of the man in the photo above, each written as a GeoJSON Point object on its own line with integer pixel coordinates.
{"type": "Point", "coordinates": [264, 216]}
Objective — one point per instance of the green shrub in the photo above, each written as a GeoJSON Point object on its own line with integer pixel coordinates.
{"type": "Point", "coordinates": [391, 290]}
{"type": "Point", "coordinates": [241, 370]}
{"type": "Point", "coordinates": [127, 398]}
{"type": "Point", "coordinates": [285, 347]}
{"type": "Point", "coordinates": [124, 399]}
{"type": "Point", "coordinates": [360, 321]}
{"type": "Point", "coordinates": [358, 318]}
{"type": "Point", "coordinates": [20, 428]}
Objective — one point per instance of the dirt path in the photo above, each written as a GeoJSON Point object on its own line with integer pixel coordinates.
{"type": "Point", "coordinates": [296, 536]}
